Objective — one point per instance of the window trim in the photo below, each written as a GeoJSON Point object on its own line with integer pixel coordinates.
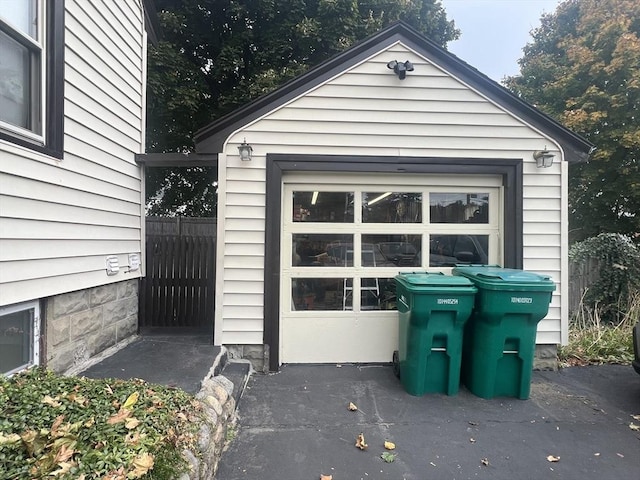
{"type": "Point", "coordinates": [511, 170]}
{"type": "Point", "coordinates": [51, 139]}
{"type": "Point", "coordinates": [35, 337]}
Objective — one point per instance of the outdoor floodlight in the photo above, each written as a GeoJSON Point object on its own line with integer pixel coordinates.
{"type": "Point", "coordinates": [400, 69]}
{"type": "Point", "coordinates": [544, 158]}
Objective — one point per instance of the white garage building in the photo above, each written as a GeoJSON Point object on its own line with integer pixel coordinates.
{"type": "Point", "coordinates": [354, 174]}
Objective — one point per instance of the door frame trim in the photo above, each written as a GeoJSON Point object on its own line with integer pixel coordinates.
{"type": "Point", "coordinates": [511, 171]}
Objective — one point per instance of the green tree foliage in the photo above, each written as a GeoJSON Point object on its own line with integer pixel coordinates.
{"type": "Point", "coordinates": [583, 69]}
{"type": "Point", "coordinates": [217, 55]}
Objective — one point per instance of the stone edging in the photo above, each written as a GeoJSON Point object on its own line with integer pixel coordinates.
{"type": "Point", "coordinates": [219, 407]}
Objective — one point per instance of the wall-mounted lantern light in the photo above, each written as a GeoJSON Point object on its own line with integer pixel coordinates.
{"type": "Point", "coordinates": [245, 151]}
{"type": "Point", "coordinates": [544, 158]}
{"type": "Point", "coordinates": [400, 69]}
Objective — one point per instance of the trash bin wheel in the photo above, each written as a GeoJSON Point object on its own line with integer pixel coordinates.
{"type": "Point", "coordinates": [396, 363]}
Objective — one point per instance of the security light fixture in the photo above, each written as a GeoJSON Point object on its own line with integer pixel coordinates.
{"type": "Point", "coordinates": [245, 151]}
{"type": "Point", "coordinates": [400, 69]}
{"type": "Point", "coordinates": [544, 158]}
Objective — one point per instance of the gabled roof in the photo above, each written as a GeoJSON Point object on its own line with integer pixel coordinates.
{"type": "Point", "coordinates": [211, 138]}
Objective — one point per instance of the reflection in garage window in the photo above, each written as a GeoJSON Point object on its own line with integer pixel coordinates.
{"type": "Point", "coordinates": [391, 207]}
{"type": "Point", "coordinates": [336, 207]}
{"type": "Point", "coordinates": [378, 294]}
{"type": "Point", "coordinates": [322, 250]}
{"type": "Point", "coordinates": [459, 207]}
{"type": "Point", "coordinates": [450, 250]}
{"type": "Point", "coordinates": [391, 250]}
{"type": "Point", "coordinates": [322, 293]}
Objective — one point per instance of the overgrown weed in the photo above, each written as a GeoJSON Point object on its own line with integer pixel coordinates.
{"type": "Point", "coordinates": [594, 341]}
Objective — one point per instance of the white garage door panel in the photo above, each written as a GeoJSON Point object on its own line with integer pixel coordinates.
{"type": "Point", "coordinates": [339, 338]}
{"type": "Point", "coordinates": [344, 239]}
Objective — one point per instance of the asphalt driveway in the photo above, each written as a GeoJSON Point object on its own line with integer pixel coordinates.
{"type": "Point", "coordinates": [296, 425]}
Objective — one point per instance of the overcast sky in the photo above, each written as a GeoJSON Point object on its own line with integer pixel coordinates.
{"type": "Point", "coordinates": [494, 31]}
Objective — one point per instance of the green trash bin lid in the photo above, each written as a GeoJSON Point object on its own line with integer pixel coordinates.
{"type": "Point", "coordinates": [433, 281]}
{"type": "Point", "coordinates": [497, 278]}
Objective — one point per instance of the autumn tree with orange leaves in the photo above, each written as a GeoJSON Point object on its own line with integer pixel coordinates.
{"type": "Point", "coordinates": [583, 69]}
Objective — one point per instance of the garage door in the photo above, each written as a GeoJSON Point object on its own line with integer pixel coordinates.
{"type": "Point", "coordinates": [344, 238]}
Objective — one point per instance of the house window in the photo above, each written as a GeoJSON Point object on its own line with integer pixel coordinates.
{"type": "Point", "coordinates": [31, 74]}
{"type": "Point", "coordinates": [19, 334]}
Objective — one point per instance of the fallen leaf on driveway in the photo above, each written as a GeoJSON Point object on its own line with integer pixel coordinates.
{"type": "Point", "coordinates": [472, 440]}
{"type": "Point", "coordinates": [636, 417]}
{"type": "Point", "coordinates": [360, 443]}
{"type": "Point", "coordinates": [389, 445]}
{"type": "Point", "coordinates": [352, 407]}
{"type": "Point", "coordinates": [552, 458]}
{"type": "Point", "coordinates": [485, 462]}
{"type": "Point", "coordinates": [634, 427]}
{"type": "Point", "coordinates": [326, 477]}
{"type": "Point", "coordinates": [620, 455]}
{"type": "Point", "coordinates": [388, 457]}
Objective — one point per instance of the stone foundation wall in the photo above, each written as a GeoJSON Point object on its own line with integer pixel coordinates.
{"type": "Point", "coordinates": [258, 355]}
{"type": "Point", "coordinates": [79, 325]}
{"type": "Point", "coordinates": [545, 357]}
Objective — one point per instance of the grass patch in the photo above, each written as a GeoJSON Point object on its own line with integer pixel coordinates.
{"type": "Point", "coordinates": [77, 428]}
{"type": "Point", "coordinates": [593, 341]}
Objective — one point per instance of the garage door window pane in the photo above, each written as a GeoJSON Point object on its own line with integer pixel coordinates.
{"type": "Point", "coordinates": [391, 250]}
{"type": "Point", "coordinates": [459, 207]}
{"type": "Point", "coordinates": [450, 250]}
{"type": "Point", "coordinates": [322, 293]}
{"type": "Point", "coordinates": [332, 207]}
{"type": "Point", "coordinates": [377, 294]}
{"type": "Point", "coordinates": [391, 207]}
{"type": "Point", "coordinates": [322, 250]}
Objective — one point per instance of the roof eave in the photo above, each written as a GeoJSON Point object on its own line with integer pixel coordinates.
{"type": "Point", "coordinates": [211, 138]}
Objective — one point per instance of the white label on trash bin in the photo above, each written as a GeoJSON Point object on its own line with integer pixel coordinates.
{"type": "Point", "coordinates": [521, 300]}
{"type": "Point", "coordinates": [447, 301]}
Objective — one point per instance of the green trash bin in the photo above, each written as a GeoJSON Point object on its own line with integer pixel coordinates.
{"type": "Point", "coordinates": [499, 339]}
{"type": "Point", "coordinates": [433, 309]}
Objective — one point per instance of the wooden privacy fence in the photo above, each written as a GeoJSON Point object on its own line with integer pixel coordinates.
{"type": "Point", "coordinates": [581, 277]}
{"type": "Point", "coordinates": [179, 288]}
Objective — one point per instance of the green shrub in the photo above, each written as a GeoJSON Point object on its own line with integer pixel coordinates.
{"type": "Point", "coordinates": [617, 260]}
{"type": "Point", "coordinates": [79, 428]}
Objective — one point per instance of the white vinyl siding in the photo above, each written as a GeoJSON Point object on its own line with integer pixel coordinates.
{"type": "Point", "coordinates": [367, 110]}
{"type": "Point", "coordinates": [61, 218]}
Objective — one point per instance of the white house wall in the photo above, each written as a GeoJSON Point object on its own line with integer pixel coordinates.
{"type": "Point", "coordinates": [61, 218]}
{"type": "Point", "coordinates": [367, 110]}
